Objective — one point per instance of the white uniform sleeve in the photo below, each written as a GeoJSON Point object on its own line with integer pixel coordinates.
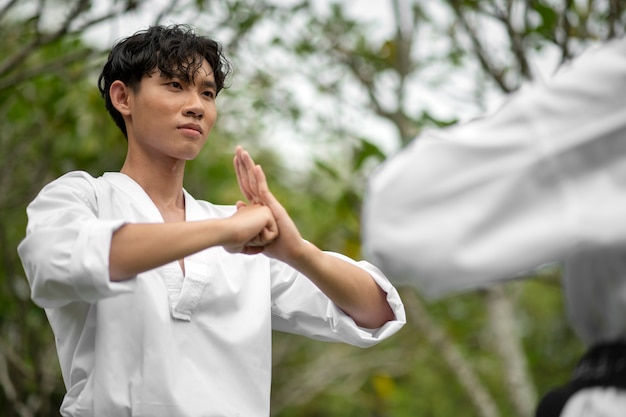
{"type": "Point", "coordinates": [541, 178]}
{"type": "Point", "coordinates": [299, 307]}
{"type": "Point", "coordinates": [65, 253]}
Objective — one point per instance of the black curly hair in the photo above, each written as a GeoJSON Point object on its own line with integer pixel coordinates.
{"type": "Point", "coordinates": [175, 51]}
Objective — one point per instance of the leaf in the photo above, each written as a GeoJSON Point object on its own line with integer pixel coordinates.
{"type": "Point", "coordinates": [549, 20]}
{"type": "Point", "coordinates": [364, 151]}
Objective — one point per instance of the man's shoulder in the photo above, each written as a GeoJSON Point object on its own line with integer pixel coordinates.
{"type": "Point", "coordinates": [75, 187]}
{"type": "Point", "coordinates": [80, 180]}
{"type": "Point", "coordinates": [80, 184]}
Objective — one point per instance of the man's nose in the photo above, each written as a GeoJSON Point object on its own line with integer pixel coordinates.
{"type": "Point", "coordinates": [193, 106]}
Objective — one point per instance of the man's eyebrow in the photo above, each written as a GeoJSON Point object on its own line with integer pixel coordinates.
{"type": "Point", "coordinates": [205, 83]}
{"type": "Point", "coordinates": [209, 84]}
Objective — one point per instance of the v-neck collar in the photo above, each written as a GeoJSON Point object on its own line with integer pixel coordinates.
{"type": "Point", "coordinates": [130, 186]}
{"type": "Point", "coordinates": [184, 292]}
{"type": "Point", "coordinates": [137, 193]}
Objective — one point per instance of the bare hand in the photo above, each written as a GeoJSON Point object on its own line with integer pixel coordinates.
{"type": "Point", "coordinates": [253, 184]}
{"type": "Point", "coordinates": [253, 228]}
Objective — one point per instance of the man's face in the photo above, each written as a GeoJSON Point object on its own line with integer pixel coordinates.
{"type": "Point", "coordinates": [171, 118]}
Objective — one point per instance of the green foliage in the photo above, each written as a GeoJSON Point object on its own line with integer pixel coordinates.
{"type": "Point", "coordinates": [549, 19]}
{"type": "Point", "coordinates": [54, 121]}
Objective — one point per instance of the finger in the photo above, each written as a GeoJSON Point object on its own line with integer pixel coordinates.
{"type": "Point", "coordinates": [252, 250]}
{"type": "Point", "coordinates": [242, 179]}
{"type": "Point", "coordinates": [269, 234]}
{"type": "Point", "coordinates": [266, 236]}
{"type": "Point", "coordinates": [256, 241]}
{"type": "Point", "coordinates": [263, 189]}
{"type": "Point", "coordinates": [259, 240]}
{"type": "Point", "coordinates": [243, 175]}
{"type": "Point", "coordinates": [249, 167]}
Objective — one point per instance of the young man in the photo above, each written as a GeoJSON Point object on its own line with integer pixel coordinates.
{"type": "Point", "coordinates": [163, 305]}
{"type": "Point", "coordinates": [542, 180]}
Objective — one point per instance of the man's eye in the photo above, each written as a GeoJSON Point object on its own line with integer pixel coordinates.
{"type": "Point", "coordinates": [209, 94]}
{"type": "Point", "coordinates": [175, 84]}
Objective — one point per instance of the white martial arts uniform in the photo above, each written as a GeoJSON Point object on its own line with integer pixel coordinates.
{"type": "Point", "coordinates": [162, 344]}
{"type": "Point", "coordinates": [542, 180]}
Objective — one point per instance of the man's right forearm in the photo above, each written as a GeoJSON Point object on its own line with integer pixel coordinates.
{"type": "Point", "coordinates": [137, 248]}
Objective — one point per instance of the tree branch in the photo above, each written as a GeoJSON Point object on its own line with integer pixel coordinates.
{"type": "Point", "coordinates": [5, 380]}
{"type": "Point", "coordinates": [517, 42]}
{"type": "Point", "coordinates": [490, 69]}
{"type": "Point", "coordinates": [6, 8]}
{"type": "Point", "coordinates": [565, 28]}
{"type": "Point", "coordinates": [14, 61]}
{"type": "Point", "coordinates": [424, 323]}
{"type": "Point", "coordinates": [507, 343]}
{"type": "Point", "coordinates": [45, 68]}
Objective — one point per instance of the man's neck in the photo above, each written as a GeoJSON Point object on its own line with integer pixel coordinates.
{"type": "Point", "coordinates": [164, 185]}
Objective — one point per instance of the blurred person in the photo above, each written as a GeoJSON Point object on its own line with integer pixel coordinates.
{"type": "Point", "coordinates": [541, 181]}
{"type": "Point", "coordinates": [161, 304]}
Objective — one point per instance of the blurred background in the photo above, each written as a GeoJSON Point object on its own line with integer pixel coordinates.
{"type": "Point", "coordinates": [322, 92]}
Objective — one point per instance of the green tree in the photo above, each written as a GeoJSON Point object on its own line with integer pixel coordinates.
{"type": "Point", "coordinates": [320, 96]}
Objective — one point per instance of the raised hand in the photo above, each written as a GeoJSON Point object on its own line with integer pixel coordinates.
{"type": "Point", "coordinates": [348, 286]}
{"type": "Point", "coordinates": [253, 184]}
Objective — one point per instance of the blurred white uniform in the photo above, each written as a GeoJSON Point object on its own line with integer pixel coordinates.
{"type": "Point", "coordinates": [542, 180]}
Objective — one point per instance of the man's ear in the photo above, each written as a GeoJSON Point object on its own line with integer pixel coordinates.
{"type": "Point", "coordinates": [119, 93]}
